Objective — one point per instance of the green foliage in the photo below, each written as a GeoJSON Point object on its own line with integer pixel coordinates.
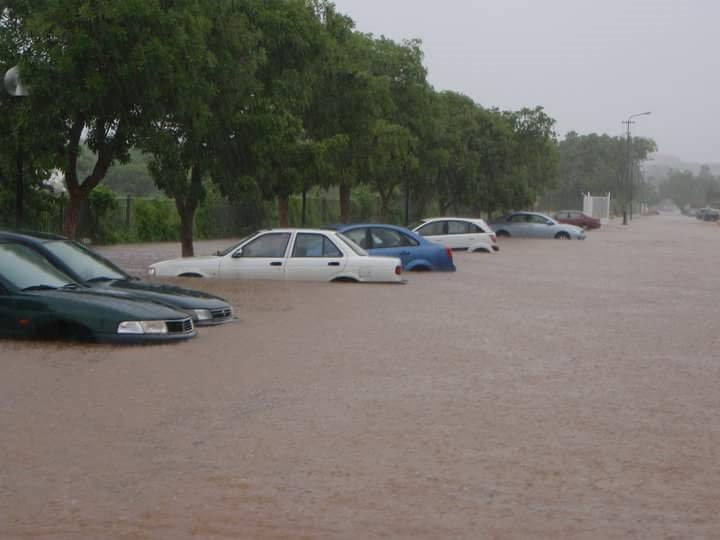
{"type": "Point", "coordinates": [225, 105]}
{"type": "Point", "coordinates": [599, 164]}
{"type": "Point", "coordinates": [156, 220]}
{"type": "Point", "coordinates": [102, 203]}
{"type": "Point", "coordinates": [687, 189]}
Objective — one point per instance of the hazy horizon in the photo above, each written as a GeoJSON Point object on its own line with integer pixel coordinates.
{"type": "Point", "coordinates": [590, 65]}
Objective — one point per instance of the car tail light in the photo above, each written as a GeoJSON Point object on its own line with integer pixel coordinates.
{"type": "Point", "coordinates": [449, 252]}
{"type": "Point", "coordinates": [493, 238]}
{"type": "Point", "coordinates": [398, 270]}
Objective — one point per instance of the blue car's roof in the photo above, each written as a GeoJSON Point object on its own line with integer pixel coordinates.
{"type": "Point", "coordinates": [398, 228]}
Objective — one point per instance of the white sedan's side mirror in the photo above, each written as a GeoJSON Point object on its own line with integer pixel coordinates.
{"type": "Point", "coordinates": [238, 253]}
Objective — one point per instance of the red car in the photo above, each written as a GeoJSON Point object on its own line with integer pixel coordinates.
{"type": "Point", "coordinates": [575, 217]}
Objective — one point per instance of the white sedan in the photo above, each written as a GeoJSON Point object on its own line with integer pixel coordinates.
{"type": "Point", "coordinates": [291, 254]}
{"type": "Point", "coordinates": [459, 233]}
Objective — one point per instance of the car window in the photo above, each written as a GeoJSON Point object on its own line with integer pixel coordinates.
{"type": "Point", "coordinates": [359, 236]}
{"type": "Point", "coordinates": [388, 238]}
{"type": "Point", "coordinates": [540, 220]}
{"type": "Point", "coordinates": [24, 267]}
{"type": "Point", "coordinates": [574, 215]}
{"type": "Point", "coordinates": [267, 245]}
{"type": "Point", "coordinates": [458, 227]}
{"type": "Point", "coordinates": [436, 228]}
{"type": "Point", "coordinates": [518, 218]}
{"type": "Point", "coordinates": [314, 245]}
{"type": "Point", "coordinates": [562, 215]}
{"type": "Point", "coordinates": [85, 263]}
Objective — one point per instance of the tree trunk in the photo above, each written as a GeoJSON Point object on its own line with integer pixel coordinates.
{"type": "Point", "coordinates": [304, 208]}
{"type": "Point", "coordinates": [19, 188]}
{"type": "Point", "coordinates": [72, 213]}
{"type": "Point", "coordinates": [187, 218]}
{"type": "Point", "coordinates": [345, 202]}
{"type": "Point", "coordinates": [384, 208]}
{"type": "Point", "coordinates": [283, 210]}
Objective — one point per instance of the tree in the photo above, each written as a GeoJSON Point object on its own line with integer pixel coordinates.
{"type": "Point", "coordinates": [390, 159]}
{"type": "Point", "coordinates": [598, 163]}
{"type": "Point", "coordinates": [205, 117]}
{"type": "Point", "coordinates": [99, 72]}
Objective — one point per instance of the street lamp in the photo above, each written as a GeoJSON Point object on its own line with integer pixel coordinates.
{"type": "Point", "coordinates": [628, 172]}
{"type": "Point", "coordinates": [15, 88]}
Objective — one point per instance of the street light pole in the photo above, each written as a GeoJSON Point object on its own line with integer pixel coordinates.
{"type": "Point", "coordinates": [628, 165]}
{"type": "Point", "coordinates": [15, 88]}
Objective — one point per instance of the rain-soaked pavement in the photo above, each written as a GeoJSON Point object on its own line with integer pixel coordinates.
{"type": "Point", "coordinates": [555, 390]}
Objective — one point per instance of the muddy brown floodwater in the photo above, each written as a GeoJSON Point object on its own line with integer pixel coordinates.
{"type": "Point", "coordinates": [555, 390]}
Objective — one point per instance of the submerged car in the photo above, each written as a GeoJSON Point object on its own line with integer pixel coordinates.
{"type": "Point", "coordinates": [708, 214]}
{"type": "Point", "coordinates": [413, 250]}
{"type": "Point", "coordinates": [535, 225]}
{"type": "Point", "coordinates": [469, 234]}
{"type": "Point", "coordinates": [89, 268]}
{"type": "Point", "coordinates": [38, 301]}
{"type": "Point", "coordinates": [577, 218]}
{"type": "Point", "coordinates": [290, 254]}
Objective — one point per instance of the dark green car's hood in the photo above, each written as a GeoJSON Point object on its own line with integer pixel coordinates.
{"type": "Point", "coordinates": [168, 294]}
{"type": "Point", "coordinates": [97, 304]}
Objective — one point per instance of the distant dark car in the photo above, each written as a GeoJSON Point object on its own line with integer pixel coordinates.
{"type": "Point", "coordinates": [38, 301]}
{"type": "Point", "coordinates": [91, 269]}
{"type": "Point", "coordinates": [708, 214]}
{"type": "Point", "coordinates": [577, 218]}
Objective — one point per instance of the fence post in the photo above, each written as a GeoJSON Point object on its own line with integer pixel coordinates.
{"type": "Point", "coordinates": [128, 205]}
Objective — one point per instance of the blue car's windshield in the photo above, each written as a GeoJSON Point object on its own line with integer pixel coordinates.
{"type": "Point", "coordinates": [88, 265]}
{"type": "Point", "coordinates": [24, 268]}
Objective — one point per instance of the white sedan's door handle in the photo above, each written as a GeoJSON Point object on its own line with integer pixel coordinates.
{"type": "Point", "coordinates": [276, 263]}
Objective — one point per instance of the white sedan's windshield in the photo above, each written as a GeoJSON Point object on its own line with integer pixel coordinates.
{"type": "Point", "coordinates": [234, 246]}
{"type": "Point", "coordinates": [352, 245]}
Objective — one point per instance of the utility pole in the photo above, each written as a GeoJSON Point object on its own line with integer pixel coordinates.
{"type": "Point", "coordinates": [628, 168]}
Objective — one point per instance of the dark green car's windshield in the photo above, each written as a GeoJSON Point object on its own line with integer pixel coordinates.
{"type": "Point", "coordinates": [25, 268]}
{"type": "Point", "coordinates": [83, 262]}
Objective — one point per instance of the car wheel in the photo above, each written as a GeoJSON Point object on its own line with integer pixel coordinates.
{"type": "Point", "coordinates": [502, 233]}
{"type": "Point", "coordinates": [562, 236]}
{"type": "Point", "coordinates": [345, 280]}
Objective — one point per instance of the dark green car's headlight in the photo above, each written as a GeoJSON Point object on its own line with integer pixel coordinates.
{"type": "Point", "coordinates": [142, 327]}
{"type": "Point", "coordinates": [203, 314]}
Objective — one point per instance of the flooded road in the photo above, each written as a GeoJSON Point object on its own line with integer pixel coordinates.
{"type": "Point", "coordinates": [554, 390]}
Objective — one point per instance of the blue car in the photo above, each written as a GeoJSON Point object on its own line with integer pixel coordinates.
{"type": "Point", "coordinates": [415, 252]}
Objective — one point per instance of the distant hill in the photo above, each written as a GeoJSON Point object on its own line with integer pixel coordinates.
{"type": "Point", "coordinates": [659, 165]}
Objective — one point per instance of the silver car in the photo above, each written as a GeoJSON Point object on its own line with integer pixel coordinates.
{"type": "Point", "coordinates": [535, 225]}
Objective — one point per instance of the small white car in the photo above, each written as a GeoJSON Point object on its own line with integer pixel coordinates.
{"type": "Point", "coordinates": [459, 233]}
{"type": "Point", "coordinates": [290, 254]}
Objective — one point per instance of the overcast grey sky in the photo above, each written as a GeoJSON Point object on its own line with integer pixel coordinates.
{"type": "Point", "coordinates": [589, 63]}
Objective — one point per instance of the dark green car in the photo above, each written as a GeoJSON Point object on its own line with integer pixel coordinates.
{"type": "Point", "coordinates": [93, 270]}
{"type": "Point", "coordinates": [38, 301]}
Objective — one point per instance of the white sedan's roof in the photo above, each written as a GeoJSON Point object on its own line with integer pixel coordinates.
{"type": "Point", "coordinates": [451, 218]}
